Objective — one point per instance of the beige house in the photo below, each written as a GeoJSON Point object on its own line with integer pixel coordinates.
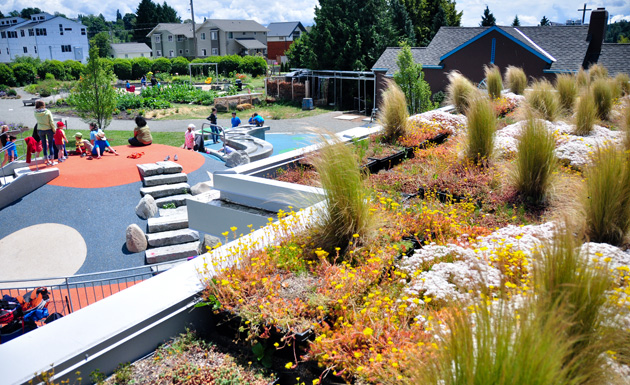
{"type": "Point", "coordinates": [172, 39]}
{"type": "Point", "coordinates": [130, 50]}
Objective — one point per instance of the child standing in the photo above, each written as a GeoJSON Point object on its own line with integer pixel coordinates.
{"type": "Point", "coordinates": [189, 137]}
{"type": "Point", "coordinates": [60, 141]}
{"type": "Point", "coordinates": [83, 146]}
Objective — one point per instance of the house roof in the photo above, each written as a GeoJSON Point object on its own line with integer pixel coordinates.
{"type": "Point", "coordinates": [284, 28]}
{"type": "Point", "coordinates": [615, 57]}
{"type": "Point", "coordinates": [563, 47]}
{"type": "Point", "coordinates": [122, 48]}
{"type": "Point", "coordinates": [251, 44]}
{"type": "Point", "coordinates": [174, 28]}
{"type": "Point", "coordinates": [237, 25]}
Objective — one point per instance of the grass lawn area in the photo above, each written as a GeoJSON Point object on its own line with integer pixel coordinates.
{"type": "Point", "coordinates": [118, 138]}
{"type": "Point", "coordinates": [276, 111]}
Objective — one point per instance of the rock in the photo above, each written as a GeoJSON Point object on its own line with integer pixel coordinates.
{"type": "Point", "coordinates": [146, 208]}
{"type": "Point", "coordinates": [236, 158]}
{"type": "Point", "coordinates": [201, 188]}
{"type": "Point", "coordinates": [221, 107]}
{"type": "Point", "coordinates": [232, 104]}
{"type": "Point", "coordinates": [244, 106]}
{"type": "Point", "coordinates": [209, 241]}
{"type": "Point", "coordinates": [136, 240]}
{"type": "Point", "coordinates": [255, 101]}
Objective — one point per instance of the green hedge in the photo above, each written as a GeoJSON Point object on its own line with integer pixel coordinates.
{"type": "Point", "coordinates": [179, 65]}
{"type": "Point", "coordinates": [53, 67]}
{"type": "Point", "coordinates": [122, 69]}
{"type": "Point", "coordinates": [24, 73]}
{"type": "Point", "coordinates": [6, 75]}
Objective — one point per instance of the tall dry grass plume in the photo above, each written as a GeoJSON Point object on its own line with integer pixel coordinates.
{"type": "Point", "coordinates": [481, 130]}
{"type": "Point", "coordinates": [535, 161]}
{"type": "Point", "coordinates": [623, 80]}
{"type": "Point", "coordinates": [582, 78]}
{"type": "Point", "coordinates": [603, 96]}
{"type": "Point", "coordinates": [493, 81]}
{"type": "Point", "coordinates": [393, 114]}
{"type": "Point", "coordinates": [346, 209]}
{"type": "Point", "coordinates": [606, 201]}
{"type": "Point", "coordinates": [460, 90]}
{"type": "Point", "coordinates": [515, 80]}
{"type": "Point", "coordinates": [542, 98]}
{"type": "Point", "coordinates": [585, 114]}
{"type": "Point", "coordinates": [597, 71]}
{"type": "Point", "coordinates": [626, 128]}
{"type": "Point", "coordinates": [567, 91]}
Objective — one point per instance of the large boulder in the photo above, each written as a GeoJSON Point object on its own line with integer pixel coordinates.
{"type": "Point", "coordinates": [201, 188]}
{"type": "Point", "coordinates": [209, 242]}
{"type": "Point", "coordinates": [236, 158]}
{"type": "Point", "coordinates": [221, 107]}
{"type": "Point", "coordinates": [244, 106]}
{"type": "Point", "coordinates": [146, 208]}
{"type": "Point", "coordinates": [136, 240]}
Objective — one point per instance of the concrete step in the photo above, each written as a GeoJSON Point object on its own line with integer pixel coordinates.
{"type": "Point", "coordinates": [156, 180]}
{"type": "Point", "coordinates": [6, 179]}
{"type": "Point", "coordinates": [150, 169]}
{"type": "Point", "coordinates": [172, 237]}
{"type": "Point", "coordinates": [178, 200]}
{"type": "Point", "coordinates": [168, 223]}
{"type": "Point", "coordinates": [171, 253]}
{"type": "Point", "coordinates": [22, 170]}
{"type": "Point", "coordinates": [165, 190]}
{"type": "Point", "coordinates": [182, 210]}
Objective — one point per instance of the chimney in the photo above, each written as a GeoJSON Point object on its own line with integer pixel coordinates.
{"type": "Point", "coordinates": [595, 37]}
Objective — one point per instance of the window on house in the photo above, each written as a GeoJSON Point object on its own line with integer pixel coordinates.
{"type": "Point", "coordinates": [12, 34]}
{"type": "Point", "coordinates": [25, 49]}
{"type": "Point", "coordinates": [22, 33]}
{"type": "Point", "coordinates": [158, 53]}
{"type": "Point", "coordinates": [203, 52]}
{"type": "Point", "coordinates": [60, 29]}
{"type": "Point", "coordinates": [180, 37]}
{"type": "Point", "coordinates": [66, 48]}
{"type": "Point", "coordinates": [82, 31]}
{"type": "Point", "coordinates": [171, 53]}
{"type": "Point", "coordinates": [31, 32]}
{"type": "Point", "coordinates": [40, 32]}
{"type": "Point", "coordinates": [3, 34]}
{"type": "Point", "coordinates": [213, 35]}
{"type": "Point", "coordinates": [230, 35]}
{"type": "Point", "coordinates": [296, 34]}
{"type": "Point", "coordinates": [244, 33]}
{"type": "Point", "coordinates": [186, 51]}
{"type": "Point", "coordinates": [215, 51]}
{"type": "Point", "coordinates": [203, 36]}
{"type": "Point", "coordinates": [170, 37]}
{"type": "Point", "coordinates": [35, 48]}
{"type": "Point", "coordinates": [8, 51]}
{"type": "Point", "coordinates": [126, 56]}
{"type": "Point", "coordinates": [157, 38]}
{"type": "Point", "coordinates": [181, 51]}
{"type": "Point", "coordinates": [142, 54]}
{"type": "Point", "coordinates": [68, 29]}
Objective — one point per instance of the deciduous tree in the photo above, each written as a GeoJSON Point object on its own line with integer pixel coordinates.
{"type": "Point", "coordinates": [410, 79]}
{"type": "Point", "coordinates": [101, 41]}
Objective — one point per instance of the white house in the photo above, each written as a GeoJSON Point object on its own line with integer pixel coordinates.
{"type": "Point", "coordinates": [130, 50]}
{"type": "Point", "coordinates": [44, 36]}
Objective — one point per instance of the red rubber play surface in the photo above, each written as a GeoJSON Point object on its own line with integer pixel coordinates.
{"type": "Point", "coordinates": [113, 170]}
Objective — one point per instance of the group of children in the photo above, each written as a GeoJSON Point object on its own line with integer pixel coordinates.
{"type": "Point", "coordinates": [8, 145]}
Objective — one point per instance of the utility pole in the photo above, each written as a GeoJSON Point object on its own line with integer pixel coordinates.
{"type": "Point", "coordinates": [192, 15]}
{"type": "Point", "coordinates": [583, 11]}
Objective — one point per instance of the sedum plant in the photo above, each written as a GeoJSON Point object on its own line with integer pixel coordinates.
{"type": "Point", "coordinates": [535, 161]}
{"type": "Point", "coordinates": [393, 114]}
{"type": "Point", "coordinates": [567, 91]}
{"type": "Point", "coordinates": [515, 79]}
{"type": "Point", "coordinates": [493, 81]}
{"type": "Point", "coordinates": [585, 114]}
{"type": "Point", "coordinates": [542, 99]}
{"type": "Point", "coordinates": [481, 130]}
{"type": "Point", "coordinates": [460, 90]}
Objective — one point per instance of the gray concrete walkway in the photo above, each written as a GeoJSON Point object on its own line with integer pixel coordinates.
{"type": "Point", "coordinates": [14, 111]}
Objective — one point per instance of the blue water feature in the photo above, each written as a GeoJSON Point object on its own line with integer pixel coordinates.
{"type": "Point", "coordinates": [281, 142]}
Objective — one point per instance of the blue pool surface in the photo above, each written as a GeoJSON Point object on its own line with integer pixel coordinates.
{"type": "Point", "coordinates": [281, 142]}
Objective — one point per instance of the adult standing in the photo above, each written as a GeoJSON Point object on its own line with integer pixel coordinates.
{"type": "Point", "coordinates": [236, 121]}
{"type": "Point", "coordinates": [143, 82]}
{"type": "Point", "coordinates": [46, 129]}
{"type": "Point", "coordinates": [213, 125]}
{"type": "Point", "coordinates": [153, 80]}
{"type": "Point", "coordinates": [141, 134]}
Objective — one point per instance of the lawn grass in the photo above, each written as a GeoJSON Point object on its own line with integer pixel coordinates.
{"type": "Point", "coordinates": [276, 111]}
{"type": "Point", "coordinates": [119, 138]}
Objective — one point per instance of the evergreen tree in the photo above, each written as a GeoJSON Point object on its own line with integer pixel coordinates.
{"type": "Point", "coordinates": [614, 31]}
{"type": "Point", "coordinates": [168, 14]}
{"type": "Point", "coordinates": [300, 54]}
{"type": "Point", "coordinates": [544, 21]}
{"type": "Point", "coordinates": [94, 96]}
{"type": "Point", "coordinates": [422, 14]}
{"type": "Point", "coordinates": [516, 22]}
{"type": "Point", "coordinates": [14, 13]}
{"type": "Point", "coordinates": [401, 26]}
{"type": "Point", "coordinates": [1, 15]}
{"type": "Point", "coordinates": [118, 15]}
{"type": "Point", "coordinates": [410, 79]}
{"type": "Point", "coordinates": [129, 20]}
{"type": "Point", "coordinates": [439, 20]}
{"type": "Point", "coordinates": [145, 21]}
{"type": "Point", "coordinates": [487, 20]}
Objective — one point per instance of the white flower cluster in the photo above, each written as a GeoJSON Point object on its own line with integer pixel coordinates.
{"type": "Point", "coordinates": [454, 123]}
{"type": "Point", "coordinates": [607, 254]}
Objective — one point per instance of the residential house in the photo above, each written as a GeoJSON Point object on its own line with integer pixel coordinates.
{"type": "Point", "coordinates": [130, 50]}
{"type": "Point", "coordinates": [43, 36]}
{"type": "Point", "coordinates": [218, 37]}
{"type": "Point", "coordinates": [280, 37]}
{"type": "Point", "coordinates": [542, 52]}
{"type": "Point", "coordinates": [171, 40]}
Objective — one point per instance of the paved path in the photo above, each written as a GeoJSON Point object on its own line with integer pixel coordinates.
{"type": "Point", "coordinates": [14, 111]}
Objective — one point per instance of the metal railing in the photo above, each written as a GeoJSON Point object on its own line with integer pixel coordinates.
{"type": "Point", "coordinates": [69, 294]}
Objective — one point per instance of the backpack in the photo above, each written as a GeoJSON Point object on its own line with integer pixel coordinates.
{"type": "Point", "coordinates": [35, 299]}
{"type": "Point", "coordinates": [10, 309]}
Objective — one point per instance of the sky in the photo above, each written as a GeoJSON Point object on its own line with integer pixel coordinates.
{"type": "Point", "coordinates": [265, 11]}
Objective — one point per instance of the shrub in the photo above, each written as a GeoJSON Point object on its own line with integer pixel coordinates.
{"type": "Point", "coordinates": [11, 92]}
{"type": "Point", "coordinates": [542, 98]}
{"type": "Point", "coordinates": [73, 69]}
{"type": "Point", "coordinates": [122, 68]}
{"type": "Point", "coordinates": [567, 91]}
{"type": "Point", "coordinates": [229, 64]}
{"type": "Point", "coordinates": [582, 78]}
{"type": "Point", "coordinates": [253, 65]}
{"type": "Point", "coordinates": [481, 130]}
{"type": "Point", "coordinates": [6, 75]}
{"type": "Point", "coordinates": [346, 211]}
{"type": "Point", "coordinates": [49, 77]}
{"type": "Point", "coordinates": [623, 80]}
{"type": "Point", "coordinates": [585, 114]}
{"type": "Point", "coordinates": [597, 71]}
{"type": "Point", "coordinates": [179, 65]}
{"type": "Point", "coordinates": [607, 200]}
{"type": "Point", "coordinates": [515, 79]}
{"type": "Point", "coordinates": [140, 66]}
{"type": "Point", "coordinates": [54, 67]}
{"type": "Point", "coordinates": [410, 79]}
{"type": "Point", "coordinates": [438, 98]}
{"type": "Point", "coordinates": [161, 65]}
{"type": "Point", "coordinates": [393, 112]}
{"type": "Point", "coordinates": [603, 97]}
{"type": "Point", "coordinates": [535, 161]}
{"type": "Point", "coordinates": [24, 73]}
{"type": "Point", "coordinates": [459, 91]}
{"type": "Point", "coordinates": [493, 81]}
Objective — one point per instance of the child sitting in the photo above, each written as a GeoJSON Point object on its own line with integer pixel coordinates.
{"type": "Point", "coordinates": [83, 146]}
{"type": "Point", "coordinates": [60, 141]}
{"type": "Point", "coordinates": [256, 120]}
{"type": "Point", "coordinates": [101, 145]}
{"type": "Point", "coordinates": [189, 137]}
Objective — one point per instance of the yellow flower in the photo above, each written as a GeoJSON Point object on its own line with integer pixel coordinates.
{"type": "Point", "coordinates": [233, 228]}
{"type": "Point", "coordinates": [368, 332]}
{"type": "Point", "coordinates": [289, 365]}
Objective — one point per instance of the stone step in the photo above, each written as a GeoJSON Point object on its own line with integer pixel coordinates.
{"type": "Point", "coordinates": [165, 190]}
{"type": "Point", "coordinates": [172, 253]}
{"type": "Point", "coordinates": [182, 210]}
{"type": "Point", "coordinates": [156, 180]}
{"type": "Point", "coordinates": [150, 169]}
{"type": "Point", "coordinates": [178, 200]}
{"type": "Point", "coordinates": [172, 237]}
{"type": "Point", "coordinates": [168, 223]}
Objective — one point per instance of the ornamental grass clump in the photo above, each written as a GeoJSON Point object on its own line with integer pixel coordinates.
{"type": "Point", "coordinates": [603, 97]}
{"type": "Point", "coordinates": [481, 130]}
{"type": "Point", "coordinates": [597, 72]}
{"type": "Point", "coordinates": [567, 91]}
{"type": "Point", "coordinates": [393, 114]}
{"type": "Point", "coordinates": [460, 90]}
{"type": "Point", "coordinates": [515, 80]}
{"type": "Point", "coordinates": [346, 213]}
{"type": "Point", "coordinates": [585, 114]}
{"type": "Point", "coordinates": [543, 99]}
{"type": "Point", "coordinates": [606, 202]}
{"type": "Point", "coordinates": [535, 161]}
{"type": "Point", "coordinates": [626, 128]}
{"type": "Point", "coordinates": [582, 79]}
{"type": "Point", "coordinates": [623, 80]}
{"type": "Point", "coordinates": [493, 81]}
